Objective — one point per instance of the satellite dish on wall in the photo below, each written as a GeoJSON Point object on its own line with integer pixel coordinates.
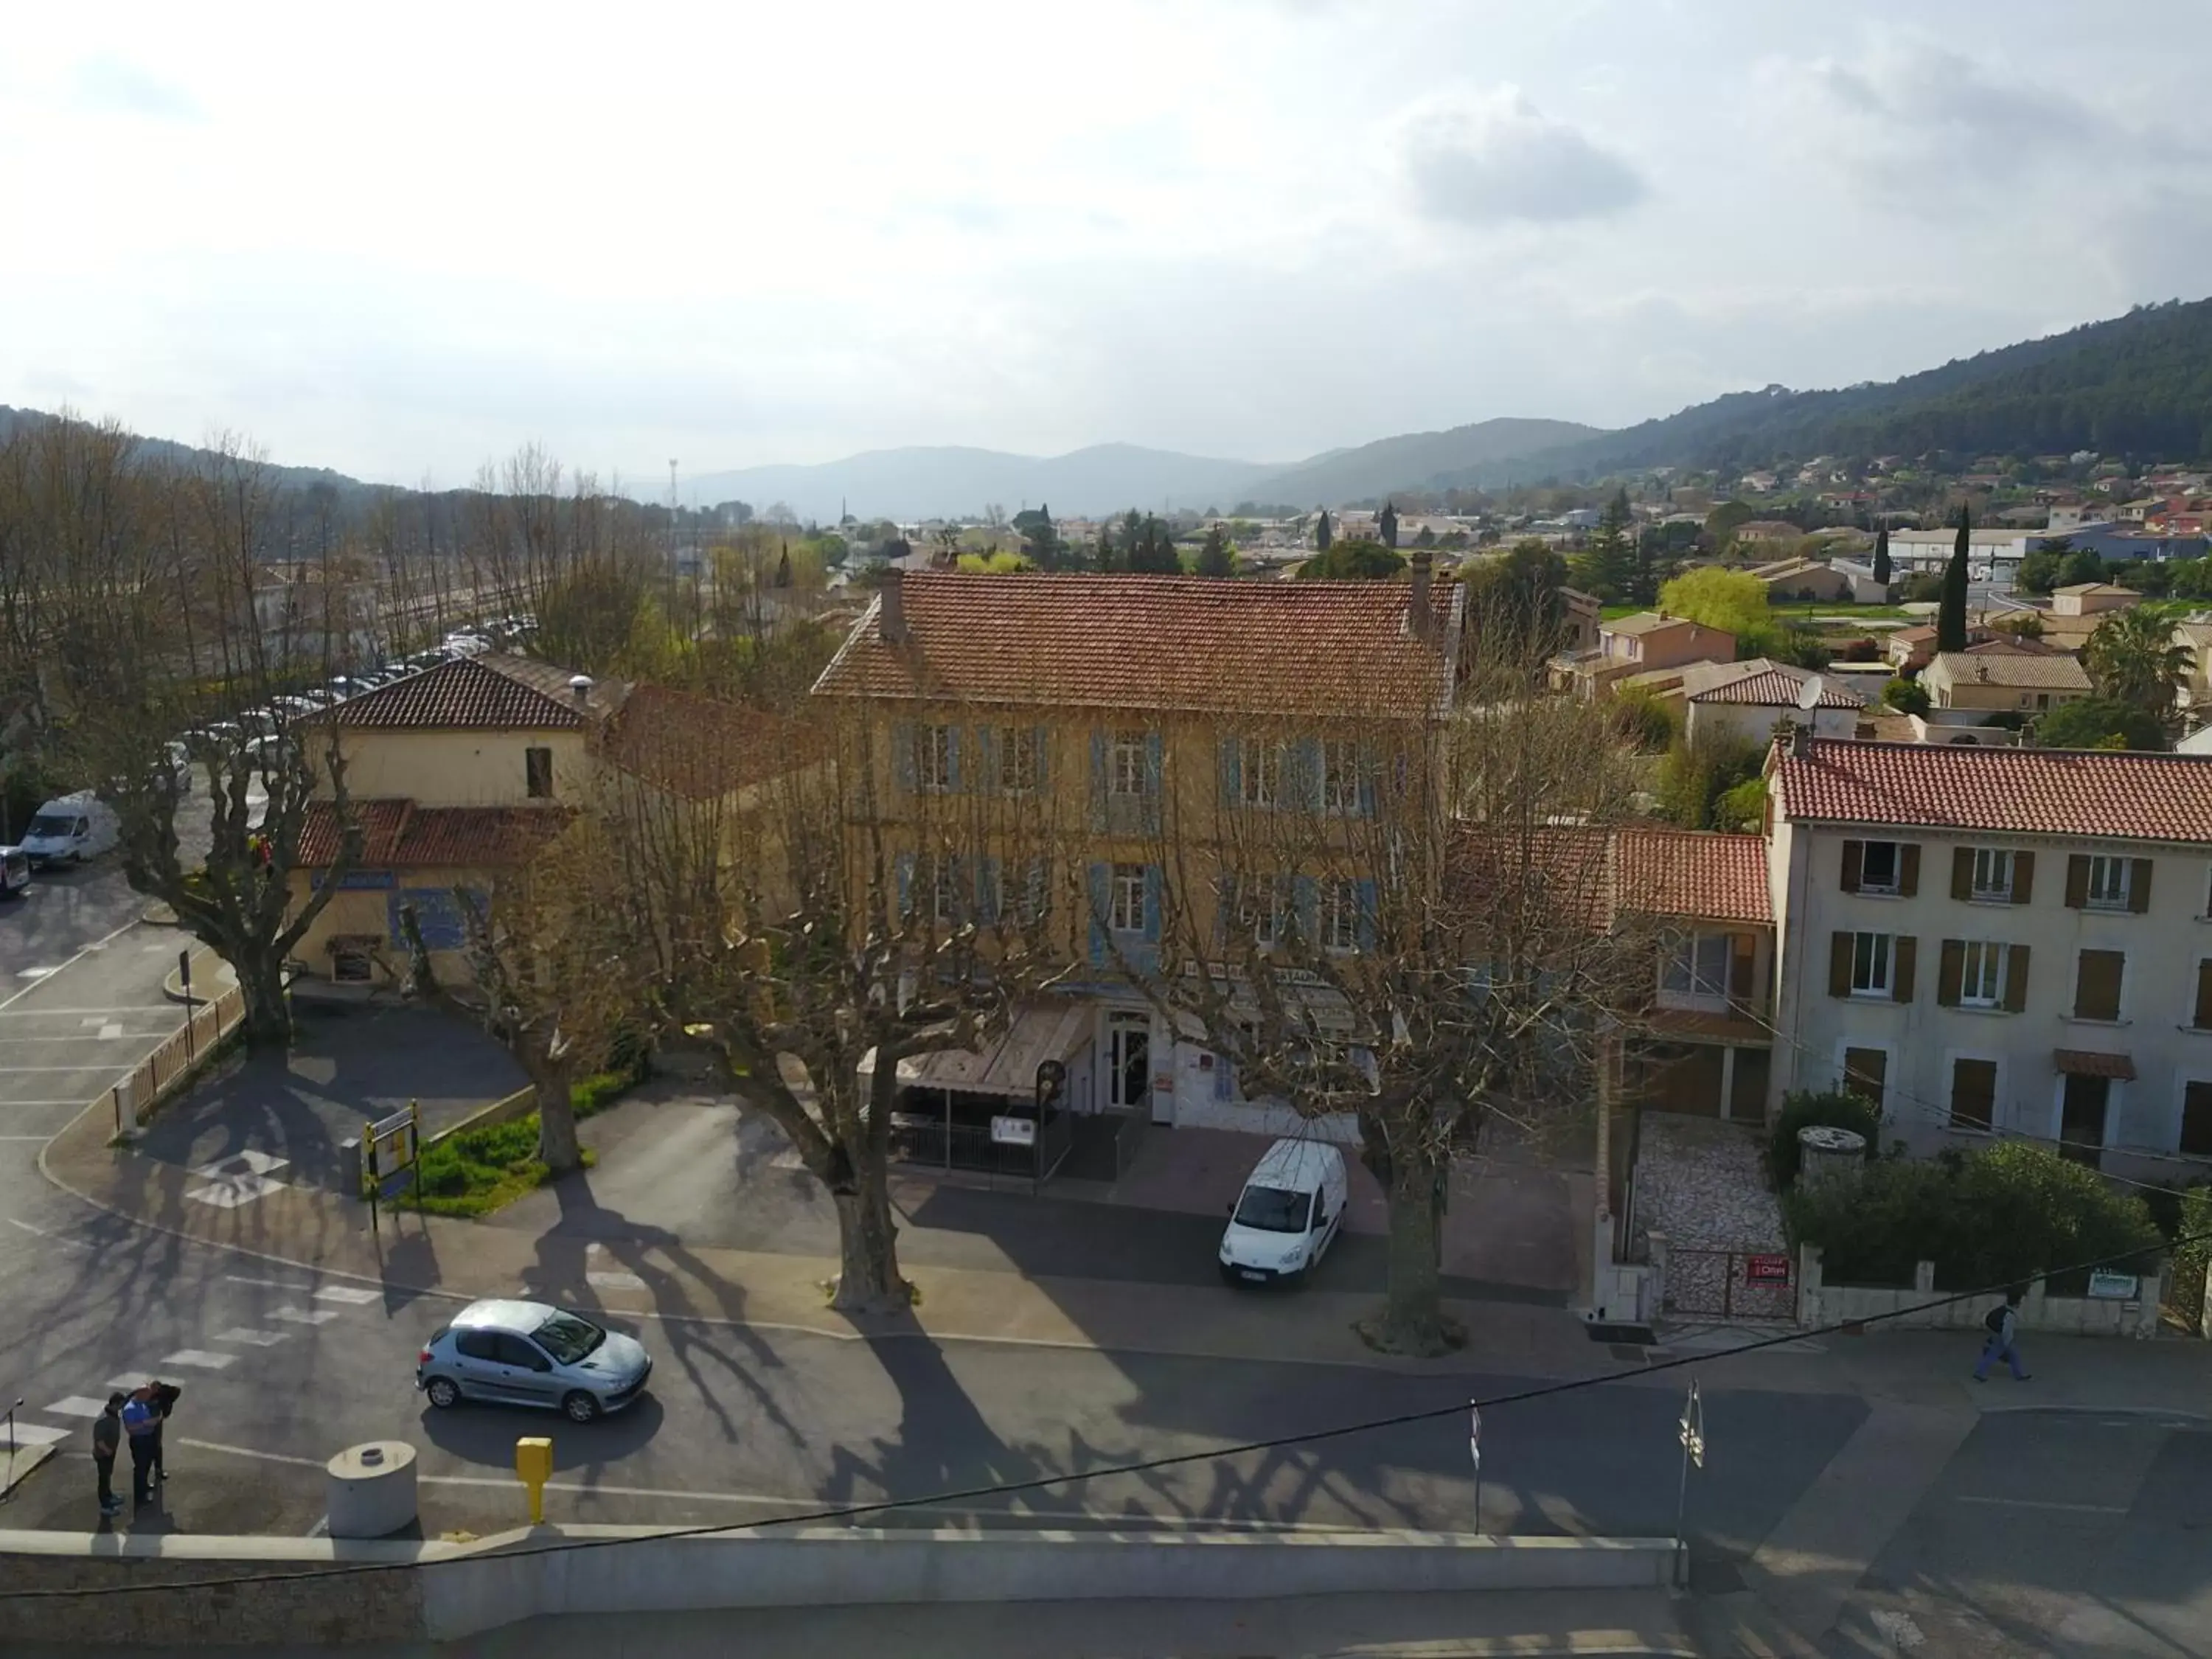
{"type": "Point", "coordinates": [1808, 695]}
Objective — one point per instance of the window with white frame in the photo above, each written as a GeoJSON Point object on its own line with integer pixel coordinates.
{"type": "Point", "coordinates": [1032, 891]}
{"type": "Point", "coordinates": [933, 757]}
{"type": "Point", "coordinates": [1262, 775]}
{"type": "Point", "coordinates": [1992, 877]}
{"type": "Point", "coordinates": [1872, 961]}
{"type": "Point", "coordinates": [1126, 911]}
{"type": "Point", "coordinates": [1880, 865]}
{"type": "Point", "coordinates": [1340, 918]}
{"type": "Point", "coordinates": [1126, 773]}
{"type": "Point", "coordinates": [2108, 883]}
{"type": "Point", "coordinates": [1694, 971]}
{"type": "Point", "coordinates": [944, 876]}
{"type": "Point", "coordinates": [1340, 776]}
{"type": "Point", "coordinates": [1261, 903]}
{"type": "Point", "coordinates": [1018, 759]}
{"type": "Point", "coordinates": [1982, 973]}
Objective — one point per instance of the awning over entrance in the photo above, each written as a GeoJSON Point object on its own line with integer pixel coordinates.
{"type": "Point", "coordinates": [1038, 1031]}
{"type": "Point", "coordinates": [2088, 1062]}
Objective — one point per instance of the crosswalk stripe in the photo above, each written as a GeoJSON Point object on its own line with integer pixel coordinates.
{"type": "Point", "coordinates": [353, 1295]}
{"type": "Point", "coordinates": [200, 1356]}
{"type": "Point", "coordinates": [257, 1339]}
{"type": "Point", "coordinates": [77, 1405]}
{"type": "Point", "coordinates": [34, 1434]}
{"type": "Point", "coordinates": [304, 1316]}
{"type": "Point", "coordinates": [130, 1382]}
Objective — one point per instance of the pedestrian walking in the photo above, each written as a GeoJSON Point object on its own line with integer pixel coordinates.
{"type": "Point", "coordinates": [141, 1422]}
{"type": "Point", "coordinates": [165, 1395]}
{"type": "Point", "coordinates": [2002, 1323]}
{"type": "Point", "coordinates": [106, 1441]}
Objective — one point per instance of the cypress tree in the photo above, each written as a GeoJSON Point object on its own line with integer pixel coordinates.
{"type": "Point", "coordinates": [1951, 618]}
{"type": "Point", "coordinates": [1324, 532]}
{"type": "Point", "coordinates": [1881, 571]}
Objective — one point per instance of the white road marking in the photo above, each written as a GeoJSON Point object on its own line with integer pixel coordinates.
{"type": "Point", "coordinates": [2044, 1503]}
{"type": "Point", "coordinates": [132, 1382]}
{"type": "Point", "coordinates": [77, 1405]}
{"type": "Point", "coordinates": [615, 1281]}
{"type": "Point", "coordinates": [235, 1191]}
{"type": "Point", "coordinates": [110, 1031]}
{"type": "Point", "coordinates": [273, 1283]}
{"type": "Point", "coordinates": [201, 1358]}
{"type": "Point", "coordinates": [34, 1434]}
{"type": "Point", "coordinates": [67, 1243]}
{"type": "Point", "coordinates": [302, 1316]}
{"type": "Point", "coordinates": [245, 1161]}
{"type": "Point", "coordinates": [40, 973]}
{"type": "Point", "coordinates": [352, 1295]}
{"type": "Point", "coordinates": [257, 1339]}
{"type": "Point", "coordinates": [37, 1138]}
{"type": "Point", "coordinates": [77, 1100]}
{"type": "Point", "coordinates": [99, 1013]}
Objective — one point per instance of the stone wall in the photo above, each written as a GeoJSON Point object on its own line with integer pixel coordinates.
{"type": "Point", "coordinates": [1822, 1303]}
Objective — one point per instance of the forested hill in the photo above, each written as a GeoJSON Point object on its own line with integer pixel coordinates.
{"type": "Point", "coordinates": [2139, 386]}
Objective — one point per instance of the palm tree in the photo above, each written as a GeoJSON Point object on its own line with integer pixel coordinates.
{"type": "Point", "coordinates": [2133, 658]}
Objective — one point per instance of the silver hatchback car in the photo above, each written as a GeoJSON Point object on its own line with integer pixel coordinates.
{"type": "Point", "coordinates": [526, 1353]}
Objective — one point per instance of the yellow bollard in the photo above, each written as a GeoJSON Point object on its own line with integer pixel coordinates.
{"type": "Point", "coordinates": [534, 1463]}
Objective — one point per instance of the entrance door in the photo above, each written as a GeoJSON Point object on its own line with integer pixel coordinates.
{"type": "Point", "coordinates": [2081, 1119]}
{"type": "Point", "coordinates": [1129, 1063]}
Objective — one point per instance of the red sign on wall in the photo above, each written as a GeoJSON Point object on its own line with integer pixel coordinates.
{"type": "Point", "coordinates": [1766, 1270]}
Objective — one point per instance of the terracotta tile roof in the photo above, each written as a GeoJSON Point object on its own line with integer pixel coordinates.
{"type": "Point", "coordinates": [1645, 622]}
{"type": "Point", "coordinates": [2091, 1063]}
{"type": "Point", "coordinates": [701, 747]}
{"type": "Point", "coordinates": [2106, 794]}
{"type": "Point", "coordinates": [1772, 685]}
{"type": "Point", "coordinates": [1169, 642]}
{"type": "Point", "coordinates": [2013, 669]}
{"type": "Point", "coordinates": [2099, 588]}
{"type": "Point", "coordinates": [398, 835]}
{"type": "Point", "coordinates": [1692, 872]}
{"type": "Point", "coordinates": [494, 692]}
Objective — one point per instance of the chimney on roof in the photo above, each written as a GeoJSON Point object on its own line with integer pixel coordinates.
{"type": "Point", "coordinates": [891, 622]}
{"type": "Point", "coordinates": [1418, 615]}
{"type": "Point", "coordinates": [1801, 739]}
{"type": "Point", "coordinates": [580, 688]}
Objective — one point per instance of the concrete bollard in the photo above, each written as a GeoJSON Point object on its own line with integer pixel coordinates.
{"type": "Point", "coordinates": [371, 1491]}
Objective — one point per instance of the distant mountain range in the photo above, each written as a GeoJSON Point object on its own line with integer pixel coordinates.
{"type": "Point", "coordinates": [2139, 384]}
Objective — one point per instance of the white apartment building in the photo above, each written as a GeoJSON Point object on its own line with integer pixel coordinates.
{"type": "Point", "coordinates": [1999, 941]}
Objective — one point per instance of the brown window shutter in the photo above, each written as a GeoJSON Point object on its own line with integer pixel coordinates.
{"type": "Point", "coordinates": [1741, 949]}
{"type": "Point", "coordinates": [1839, 964]}
{"type": "Point", "coordinates": [1950, 969]}
{"type": "Point", "coordinates": [2077, 880]}
{"type": "Point", "coordinates": [2204, 1021]}
{"type": "Point", "coordinates": [1962, 872]}
{"type": "Point", "coordinates": [1854, 856]}
{"type": "Point", "coordinates": [1900, 979]}
{"type": "Point", "coordinates": [2023, 876]}
{"type": "Point", "coordinates": [2016, 985]}
{"type": "Point", "coordinates": [1908, 869]}
{"type": "Point", "coordinates": [2097, 985]}
{"type": "Point", "coordinates": [2139, 886]}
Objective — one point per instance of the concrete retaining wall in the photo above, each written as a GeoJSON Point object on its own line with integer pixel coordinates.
{"type": "Point", "coordinates": [1822, 1303]}
{"type": "Point", "coordinates": [446, 1592]}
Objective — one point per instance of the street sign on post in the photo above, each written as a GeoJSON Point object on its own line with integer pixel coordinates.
{"type": "Point", "coordinates": [1694, 1451]}
{"type": "Point", "coordinates": [1474, 1451]}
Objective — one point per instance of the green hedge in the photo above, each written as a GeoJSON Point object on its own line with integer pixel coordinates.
{"type": "Point", "coordinates": [1833, 1109]}
{"type": "Point", "coordinates": [1994, 1217]}
{"type": "Point", "coordinates": [2192, 1253]}
{"type": "Point", "coordinates": [479, 1170]}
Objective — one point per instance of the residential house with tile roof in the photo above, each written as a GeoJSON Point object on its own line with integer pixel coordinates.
{"type": "Point", "coordinates": [1747, 700]}
{"type": "Point", "coordinates": [1146, 718]}
{"type": "Point", "coordinates": [1640, 644]}
{"type": "Point", "coordinates": [1999, 942]}
{"type": "Point", "coordinates": [2007, 680]}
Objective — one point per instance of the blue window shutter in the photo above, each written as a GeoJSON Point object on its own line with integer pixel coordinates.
{"type": "Point", "coordinates": [1230, 752]}
{"type": "Point", "coordinates": [952, 758]}
{"type": "Point", "coordinates": [904, 865]}
{"type": "Point", "coordinates": [1102, 879]}
{"type": "Point", "coordinates": [1367, 770]}
{"type": "Point", "coordinates": [986, 754]}
{"type": "Point", "coordinates": [1303, 787]}
{"type": "Point", "coordinates": [1368, 902]}
{"type": "Point", "coordinates": [1224, 1078]}
{"type": "Point", "coordinates": [987, 891]}
{"type": "Point", "coordinates": [1040, 744]}
{"type": "Point", "coordinates": [1149, 957]}
{"type": "Point", "coordinates": [1098, 777]}
{"type": "Point", "coordinates": [1305, 906]}
{"type": "Point", "coordinates": [902, 741]}
{"type": "Point", "coordinates": [1225, 897]}
{"type": "Point", "coordinates": [1153, 771]}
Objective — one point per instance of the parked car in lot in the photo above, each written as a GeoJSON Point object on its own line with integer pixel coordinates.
{"type": "Point", "coordinates": [1288, 1215]}
{"type": "Point", "coordinates": [15, 871]}
{"type": "Point", "coordinates": [69, 829]}
{"type": "Point", "coordinates": [527, 1353]}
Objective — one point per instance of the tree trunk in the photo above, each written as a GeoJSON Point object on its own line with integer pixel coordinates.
{"type": "Point", "coordinates": [1412, 1320]}
{"type": "Point", "coordinates": [261, 982]}
{"type": "Point", "coordinates": [868, 1278]}
{"type": "Point", "coordinates": [558, 1148]}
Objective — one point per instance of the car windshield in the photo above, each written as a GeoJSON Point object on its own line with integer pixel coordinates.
{"type": "Point", "coordinates": [567, 1338]}
{"type": "Point", "coordinates": [51, 824]}
{"type": "Point", "coordinates": [1272, 1209]}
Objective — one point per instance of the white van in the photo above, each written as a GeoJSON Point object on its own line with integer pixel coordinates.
{"type": "Point", "coordinates": [1287, 1215]}
{"type": "Point", "coordinates": [71, 830]}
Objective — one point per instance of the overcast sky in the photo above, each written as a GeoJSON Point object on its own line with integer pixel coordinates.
{"type": "Point", "coordinates": [400, 240]}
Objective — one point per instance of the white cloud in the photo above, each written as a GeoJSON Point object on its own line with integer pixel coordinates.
{"type": "Point", "coordinates": [1497, 158]}
{"type": "Point", "coordinates": [108, 82]}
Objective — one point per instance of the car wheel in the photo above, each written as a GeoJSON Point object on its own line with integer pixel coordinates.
{"type": "Point", "coordinates": [443, 1392]}
{"type": "Point", "coordinates": [581, 1407]}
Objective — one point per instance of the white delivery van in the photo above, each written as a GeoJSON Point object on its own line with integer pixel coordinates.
{"type": "Point", "coordinates": [1288, 1214]}
{"type": "Point", "coordinates": [71, 830]}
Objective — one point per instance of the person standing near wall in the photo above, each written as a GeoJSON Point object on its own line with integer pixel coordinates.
{"type": "Point", "coordinates": [2002, 1324]}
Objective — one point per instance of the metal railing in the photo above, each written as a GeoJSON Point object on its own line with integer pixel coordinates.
{"type": "Point", "coordinates": [207, 1022]}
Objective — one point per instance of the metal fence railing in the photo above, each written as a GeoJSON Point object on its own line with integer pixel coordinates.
{"type": "Point", "coordinates": [208, 1022]}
